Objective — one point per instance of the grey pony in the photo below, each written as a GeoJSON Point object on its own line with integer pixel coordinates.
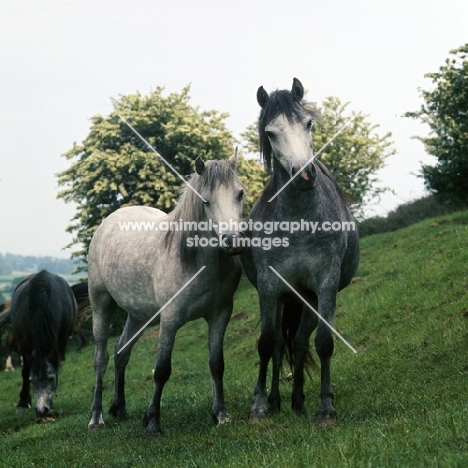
{"type": "Point", "coordinates": [317, 265]}
{"type": "Point", "coordinates": [140, 271]}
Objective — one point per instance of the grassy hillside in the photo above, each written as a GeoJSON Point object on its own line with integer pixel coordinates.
{"type": "Point", "coordinates": [401, 400]}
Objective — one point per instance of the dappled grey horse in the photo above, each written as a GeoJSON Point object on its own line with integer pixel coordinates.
{"type": "Point", "coordinates": [317, 265]}
{"type": "Point", "coordinates": [42, 314]}
{"type": "Point", "coordinates": [143, 270]}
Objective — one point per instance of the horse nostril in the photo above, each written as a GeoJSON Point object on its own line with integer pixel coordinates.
{"type": "Point", "coordinates": [307, 171]}
{"type": "Point", "coordinates": [42, 412]}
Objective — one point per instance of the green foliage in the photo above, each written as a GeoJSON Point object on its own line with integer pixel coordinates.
{"type": "Point", "coordinates": [356, 154]}
{"type": "Point", "coordinates": [403, 216]}
{"type": "Point", "coordinates": [445, 110]}
{"type": "Point", "coordinates": [250, 142]}
{"type": "Point", "coordinates": [401, 400]}
{"type": "Point", "coordinates": [353, 157]}
{"type": "Point", "coordinates": [254, 178]}
{"type": "Point", "coordinates": [113, 167]}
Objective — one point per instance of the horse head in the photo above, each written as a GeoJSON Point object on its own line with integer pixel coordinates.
{"type": "Point", "coordinates": [223, 195]}
{"type": "Point", "coordinates": [285, 134]}
{"type": "Point", "coordinates": [44, 385]}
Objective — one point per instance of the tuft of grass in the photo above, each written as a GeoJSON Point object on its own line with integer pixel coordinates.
{"type": "Point", "coordinates": [401, 400]}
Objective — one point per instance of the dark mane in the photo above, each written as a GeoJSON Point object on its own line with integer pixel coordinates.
{"type": "Point", "coordinates": [280, 102]}
{"type": "Point", "coordinates": [283, 102]}
{"type": "Point", "coordinates": [328, 174]}
{"type": "Point", "coordinates": [190, 207]}
{"type": "Point", "coordinates": [43, 320]}
{"type": "Point", "coordinates": [264, 209]}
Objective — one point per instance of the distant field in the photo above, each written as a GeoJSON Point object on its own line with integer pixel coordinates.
{"type": "Point", "coordinates": [7, 280]}
{"type": "Point", "coordinates": [401, 400]}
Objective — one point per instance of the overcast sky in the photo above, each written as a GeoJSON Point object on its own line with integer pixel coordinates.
{"type": "Point", "coordinates": [62, 61]}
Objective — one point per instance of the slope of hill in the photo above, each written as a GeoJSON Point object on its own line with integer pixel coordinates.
{"type": "Point", "coordinates": [401, 400]}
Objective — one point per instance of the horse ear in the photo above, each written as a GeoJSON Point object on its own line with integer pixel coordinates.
{"type": "Point", "coordinates": [233, 159]}
{"type": "Point", "coordinates": [262, 97]}
{"type": "Point", "coordinates": [199, 165]}
{"type": "Point", "coordinates": [297, 90]}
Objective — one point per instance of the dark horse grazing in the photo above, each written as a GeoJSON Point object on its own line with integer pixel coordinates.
{"type": "Point", "coordinates": [80, 291]}
{"type": "Point", "coordinates": [317, 265]}
{"type": "Point", "coordinates": [11, 343]}
{"type": "Point", "coordinates": [143, 270]}
{"type": "Point", "coordinates": [42, 314]}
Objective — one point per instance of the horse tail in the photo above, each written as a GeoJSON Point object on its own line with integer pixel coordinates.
{"type": "Point", "coordinates": [81, 293]}
{"type": "Point", "coordinates": [292, 313]}
{"type": "Point", "coordinates": [5, 320]}
{"type": "Point", "coordinates": [45, 326]}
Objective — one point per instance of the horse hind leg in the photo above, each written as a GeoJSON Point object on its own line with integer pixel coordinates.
{"type": "Point", "coordinates": [122, 353]}
{"type": "Point", "coordinates": [274, 398]}
{"type": "Point", "coordinates": [162, 372]}
{"type": "Point", "coordinates": [326, 414]}
{"type": "Point", "coordinates": [9, 364]}
{"type": "Point", "coordinates": [302, 353]}
{"type": "Point", "coordinates": [11, 345]}
{"type": "Point", "coordinates": [103, 309]}
{"type": "Point", "coordinates": [24, 402]}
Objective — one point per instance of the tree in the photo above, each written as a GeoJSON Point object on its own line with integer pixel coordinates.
{"type": "Point", "coordinates": [354, 155]}
{"type": "Point", "coordinates": [445, 110]}
{"type": "Point", "coordinates": [113, 167]}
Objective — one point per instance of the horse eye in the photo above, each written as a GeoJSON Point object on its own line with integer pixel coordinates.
{"type": "Point", "coordinates": [269, 134]}
{"type": "Point", "coordinates": [309, 124]}
{"type": "Point", "coordinates": [241, 195]}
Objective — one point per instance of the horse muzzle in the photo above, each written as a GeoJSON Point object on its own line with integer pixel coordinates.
{"type": "Point", "coordinates": [305, 176]}
{"type": "Point", "coordinates": [232, 242]}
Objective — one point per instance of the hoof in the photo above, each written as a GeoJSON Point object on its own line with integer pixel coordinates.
{"type": "Point", "coordinates": [220, 418]}
{"type": "Point", "coordinates": [258, 416]}
{"type": "Point", "coordinates": [154, 430]}
{"type": "Point", "coordinates": [325, 420]}
{"type": "Point", "coordinates": [22, 409]}
{"type": "Point", "coordinates": [153, 427]}
{"type": "Point", "coordinates": [119, 414]}
{"type": "Point", "coordinates": [93, 427]}
{"type": "Point", "coordinates": [300, 410]}
{"type": "Point", "coordinates": [274, 407]}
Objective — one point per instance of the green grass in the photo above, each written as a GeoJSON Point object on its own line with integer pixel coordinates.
{"type": "Point", "coordinates": [401, 400]}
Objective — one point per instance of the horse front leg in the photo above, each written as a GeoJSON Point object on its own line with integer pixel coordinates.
{"type": "Point", "coordinates": [123, 350]}
{"type": "Point", "coordinates": [326, 414]}
{"type": "Point", "coordinates": [162, 372]}
{"type": "Point", "coordinates": [266, 348]}
{"type": "Point", "coordinates": [24, 402]}
{"type": "Point", "coordinates": [217, 327]}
